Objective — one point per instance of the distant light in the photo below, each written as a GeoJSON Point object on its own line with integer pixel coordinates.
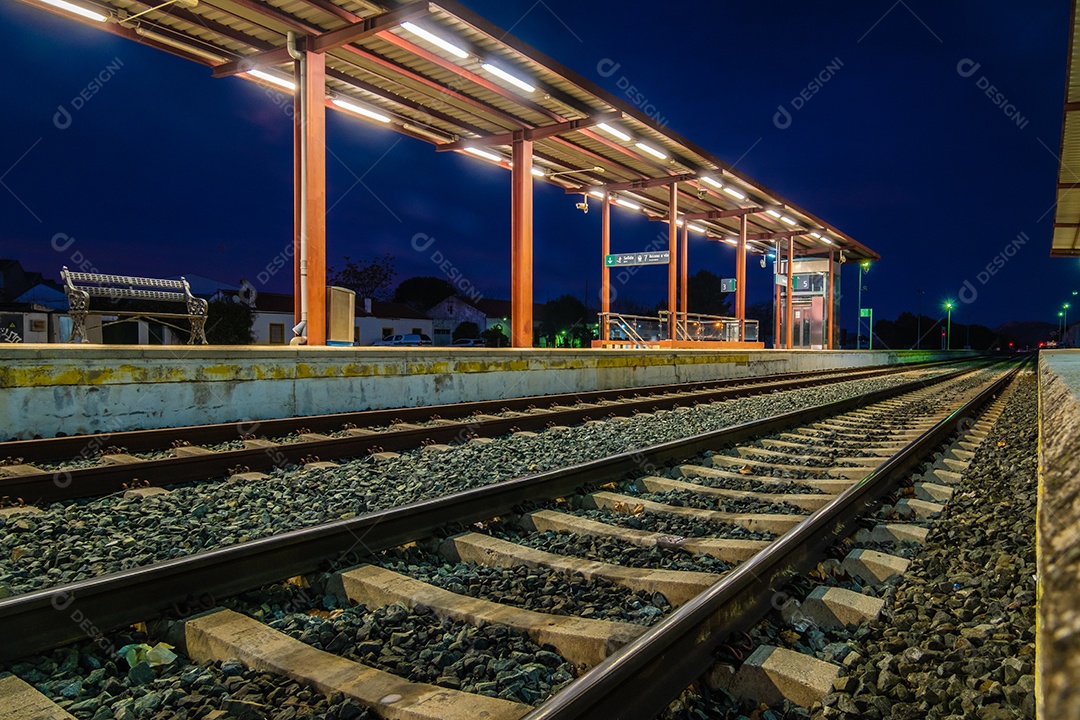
{"type": "Point", "coordinates": [712, 182]}
{"type": "Point", "coordinates": [484, 154]}
{"type": "Point", "coordinates": [613, 132]}
{"type": "Point", "coordinates": [734, 193]}
{"type": "Point", "coordinates": [628, 204]}
{"type": "Point", "coordinates": [786, 219]}
{"type": "Point", "coordinates": [513, 80]}
{"type": "Point", "coordinates": [275, 79]}
{"type": "Point", "coordinates": [538, 172]}
{"type": "Point", "coordinates": [78, 10]}
{"type": "Point", "coordinates": [361, 110]}
{"type": "Point", "coordinates": [697, 228]}
{"type": "Point", "coordinates": [651, 150]}
{"type": "Point", "coordinates": [435, 39]}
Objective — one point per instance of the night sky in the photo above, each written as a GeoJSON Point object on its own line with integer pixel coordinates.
{"type": "Point", "coordinates": [168, 171]}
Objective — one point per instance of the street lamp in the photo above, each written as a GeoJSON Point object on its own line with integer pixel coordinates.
{"type": "Point", "coordinates": [948, 326]}
{"type": "Point", "coordinates": [864, 266]}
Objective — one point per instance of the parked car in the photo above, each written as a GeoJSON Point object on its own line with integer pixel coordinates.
{"type": "Point", "coordinates": [470, 342]}
{"type": "Point", "coordinates": [406, 340]}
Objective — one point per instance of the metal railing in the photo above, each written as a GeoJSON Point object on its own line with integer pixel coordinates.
{"type": "Point", "coordinates": [640, 330]}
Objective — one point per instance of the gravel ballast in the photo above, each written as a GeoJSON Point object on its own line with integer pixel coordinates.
{"type": "Point", "coordinates": [956, 637]}
{"type": "Point", "coordinates": [81, 539]}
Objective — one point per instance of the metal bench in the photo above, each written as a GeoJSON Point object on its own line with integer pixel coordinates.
{"type": "Point", "coordinates": [80, 287]}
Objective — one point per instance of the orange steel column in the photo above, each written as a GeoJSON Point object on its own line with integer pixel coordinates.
{"type": "Point", "coordinates": [673, 255]}
{"type": "Point", "coordinates": [789, 321]}
{"type": "Point", "coordinates": [776, 308]}
{"type": "Point", "coordinates": [740, 279]}
{"type": "Point", "coordinates": [829, 303]}
{"type": "Point", "coordinates": [605, 273]}
{"type": "Point", "coordinates": [684, 287]}
{"type": "Point", "coordinates": [311, 126]}
{"type": "Point", "coordinates": [521, 249]}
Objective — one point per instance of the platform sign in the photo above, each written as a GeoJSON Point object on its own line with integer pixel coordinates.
{"type": "Point", "coordinates": [638, 258]}
{"type": "Point", "coordinates": [865, 312]}
{"type": "Point", "coordinates": [727, 284]}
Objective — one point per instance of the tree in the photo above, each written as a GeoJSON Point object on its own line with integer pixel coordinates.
{"type": "Point", "coordinates": [369, 278]}
{"type": "Point", "coordinates": [422, 293]}
{"type": "Point", "coordinates": [763, 313]}
{"type": "Point", "coordinates": [229, 323]}
{"type": "Point", "coordinates": [466, 329]}
{"type": "Point", "coordinates": [705, 296]}
{"type": "Point", "coordinates": [495, 337]}
{"type": "Point", "coordinates": [566, 322]}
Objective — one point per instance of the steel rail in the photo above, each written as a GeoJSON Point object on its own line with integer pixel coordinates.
{"type": "Point", "coordinates": [642, 678]}
{"type": "Point", "coordinates": [80, 482]}
{"type": "Point", "coordinates": [71, 446]}
{"type": "Point", "coordinates": [43, 619]}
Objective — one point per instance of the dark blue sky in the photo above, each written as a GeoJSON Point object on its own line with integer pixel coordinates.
{"type": "Point", "coordinates": [166, 170]}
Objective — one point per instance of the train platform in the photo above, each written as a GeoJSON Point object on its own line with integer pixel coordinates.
{"type": "Point", "coordinates": [79, 389]}
{"type": "Point", "coordinates": [1058, 638]}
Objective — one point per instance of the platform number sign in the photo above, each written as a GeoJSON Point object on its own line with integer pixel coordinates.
{"type": "Point", "coordinates": [638, 258]}
{"type": "Point", "coordinates": [727, 285]}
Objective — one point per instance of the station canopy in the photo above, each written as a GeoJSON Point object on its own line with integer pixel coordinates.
{"type": "Point", "coordinates": [1066, 241]}
{"type": "Point", "coordinates": [441, 73]}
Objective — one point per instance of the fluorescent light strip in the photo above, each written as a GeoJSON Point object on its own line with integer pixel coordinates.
{"type": "Point", "coordinates": [360, 110]}
{"type": "Point", "coordinates": [731, 241]}
{"type": "Point", "coordinates": [773, 213]}
{"type": "Point", "coordinates": [814, 234]}
{"type": "Point", "coordinates": [597, 194]}
{"type": "Point", "coordinates": [513, 80]}
{"type": "Point", "coordinates": [786, 219]}
{"type": "Point", "coordinates": [825, 240]}
{"type": "Point", "coordinates": [538, 172]}
{"type": "Point", "coordinates": [627, 204]}
{"type": "Point", "coordinates": [484, 154]}
{"type": "Point", "coordinates": [651, 150]}
{"type": "Point", "coordinates": [734, 193]}
{"type": "Point", "coordinates": [697, 228]}
{"type": "Point", "coordinates": [613, 132]}
{"type": "Point", "coordinates": [712, 182]}
{"type": "Point", "coordinates": [435, 40]}
{"type": "Point", "coordinates": [78, 10]}
{"type": "Point", "coordinates": [274, 79]}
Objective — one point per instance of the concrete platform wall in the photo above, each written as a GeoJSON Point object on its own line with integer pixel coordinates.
{"type": "Point", "coordinates": [51, 389]}
{"type": "Point", "coordinates": [1058, 626]}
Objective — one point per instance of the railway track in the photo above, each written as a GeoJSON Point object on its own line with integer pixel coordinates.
{"type": "Point", "coordinates": [65, 468]}
{"type": "Point", "coordinates": [771, 496]}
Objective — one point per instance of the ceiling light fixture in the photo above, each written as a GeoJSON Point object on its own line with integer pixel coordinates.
{"type": "Point", "coordinates": [712, 182]}
{"type": "Point", "coordinates": [734, 193]}
{"type": "Point", "coordinates": [435, 40]}
{"type": "Point", "coordinates": [484, 154]}
{"type": "Point", "coordinates": [651, 150]}
{"type": "Point", "coordinates": [274, 79]}
{"type": "Point", "coordinates": [512, 79]}
{"type": "Point", "coordinates": [627, 204]}
{"type": "Point", "coordinates": [78, 10]}
{"type": "Point", "coordinates": [613, 132]}
{"type": "Point", "coordinates": [360, 110]}
{"type": "Point", "coordinates": [697, 228]}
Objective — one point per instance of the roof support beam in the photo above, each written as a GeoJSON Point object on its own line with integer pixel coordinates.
{"type": "Point", "coordinates": [539, 133]}
{"type": "Point", "coordinates": [777, 235]}
{"type": "Point", "coordinates": [309, 134]}
{"type": "Point", "coordinates": [717, 214]}
{"type": "Point", "coordinates": [673, 255]}
{"type": "Point", "coordinates": [327, 41]}
{"type": "Point", "coordinates": [637, 184]}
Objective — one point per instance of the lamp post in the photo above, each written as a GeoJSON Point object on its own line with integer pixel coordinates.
{"type": "Point", "coordinates": [948, 326]}
{"type": "Point", "coordinates": [864, 266]}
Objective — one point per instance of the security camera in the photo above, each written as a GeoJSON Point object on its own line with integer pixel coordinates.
{"type": "Point", "coordinates": [701, 193]}
{"type": "Point", "coordinates": [763, 261]}
{"type": "Point", "coordinates": [583, 206]}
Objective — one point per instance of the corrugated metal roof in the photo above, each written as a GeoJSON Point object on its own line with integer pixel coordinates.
{"type": "Point", "coordinates": [435, 95]}
{"type": "Point", "coordinates": [1066, 236]}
